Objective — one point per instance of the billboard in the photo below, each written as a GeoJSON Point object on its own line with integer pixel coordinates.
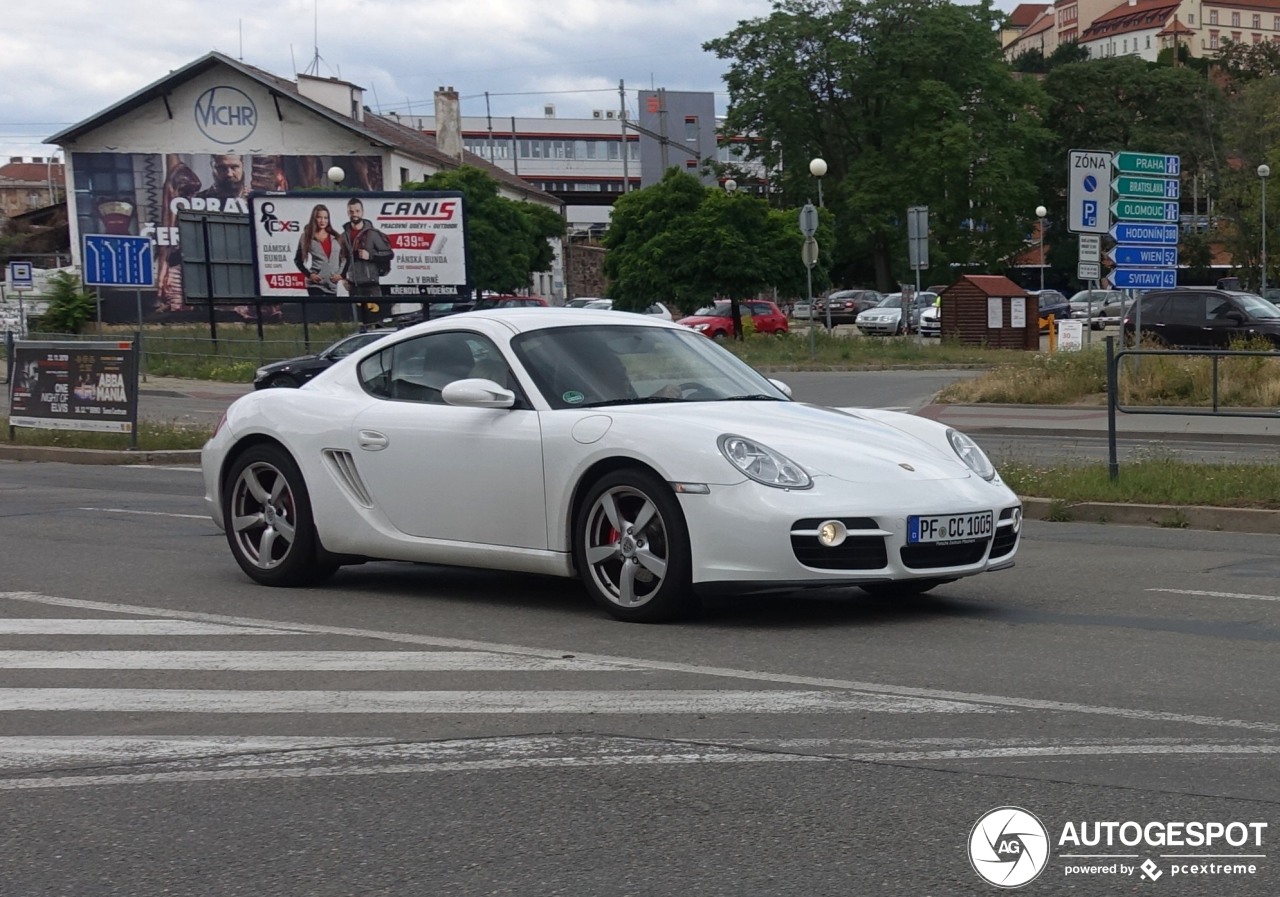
{"type": "Point", "coordinates": [74, 386]}
{"type": "Point", "coordinates": [408, 247]}
{"type": "Point", "coordinates": [143, 194]}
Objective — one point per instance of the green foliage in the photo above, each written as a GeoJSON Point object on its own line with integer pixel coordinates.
{"type": "Point", "coordinates": [506, 240]}
{"type": "Point", "coordinates": [70, 307]}
{"type": "Point", "coordinates": [910, 103]}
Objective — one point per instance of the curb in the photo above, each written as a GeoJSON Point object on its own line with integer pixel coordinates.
{"type": "Point", "coordinates": [184, 457]}
{"type": "Point", "coordinates": [1199, 517]}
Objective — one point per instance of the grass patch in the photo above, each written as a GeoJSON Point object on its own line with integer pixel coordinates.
{"type": "Point", "coordinates": [1157, 481]}
{"type": "Point", "coordinates": [155, 436]}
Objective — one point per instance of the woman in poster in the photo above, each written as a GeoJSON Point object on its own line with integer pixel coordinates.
{"type": "Point", "coordinates": [319, 255]}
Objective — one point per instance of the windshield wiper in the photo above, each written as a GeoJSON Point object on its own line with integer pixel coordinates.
{"type": "Point", "coordinates": [755, 397]}
{"type": "Point", "coordinates": [639, 400]}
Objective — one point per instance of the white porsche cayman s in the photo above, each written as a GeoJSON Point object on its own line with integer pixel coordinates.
{"type": "Point", "coordinates": [633, 454]}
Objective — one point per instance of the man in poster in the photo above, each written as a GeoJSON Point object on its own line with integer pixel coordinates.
{"type": "Point", "coordinates": [368, 257]}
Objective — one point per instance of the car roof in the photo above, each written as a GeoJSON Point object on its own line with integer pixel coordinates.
{"type": "Point", "coordinates": [522, 320]}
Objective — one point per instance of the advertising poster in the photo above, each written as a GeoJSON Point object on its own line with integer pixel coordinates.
{"type": "Point", "coordinates": [402, 246]}
{"type": "Point", "coordinates": [142, 194]}
{"type": "Point", "coordinates": [74, 386]}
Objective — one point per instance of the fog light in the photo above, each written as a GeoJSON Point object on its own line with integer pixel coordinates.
{"type": "Point", "coordinates": [1017, 519]}
{"type": "Point", "coordinates": [832, 533]}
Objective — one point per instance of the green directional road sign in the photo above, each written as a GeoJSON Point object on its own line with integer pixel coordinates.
{"type": "Point", "coordinates": [1146, 188]}
{"type": "Point", "coordinates": [1144, 210]}
{"type": "Point", "coordinates": [1151, 164]}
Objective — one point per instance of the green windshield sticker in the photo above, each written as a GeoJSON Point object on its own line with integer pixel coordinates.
{"type": "Point", "coordinates": [573, 397]}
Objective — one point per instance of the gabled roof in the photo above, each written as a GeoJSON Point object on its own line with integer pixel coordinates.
{"type": "Point", "coordinates": [1025, 13]}
{"type": "Point", "coordinates": [990, 285]}
{"type": "Point", "coordinates": [379, 131]}
{"type": "Point", "coordinates": [1175, 27]}
{"type": "Point", "coordinates": [1041, 25]}
{"type": "Point", "coordinates": [1143, 15]}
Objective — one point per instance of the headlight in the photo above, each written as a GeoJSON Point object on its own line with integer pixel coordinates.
{"type": "Point", "coordinates": [701, 326]}
{"type": "Point", "coordinates": [259, 373]}
{"type": "Point", "coordinates": [971, 454]}
{"type": "Point", "coordinates": [762, 463]}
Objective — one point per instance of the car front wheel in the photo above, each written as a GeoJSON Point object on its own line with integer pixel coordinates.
{"type": "Point", "coordinates": [268, 520]}
{"type": "Point", "coordinates": [631, 548]}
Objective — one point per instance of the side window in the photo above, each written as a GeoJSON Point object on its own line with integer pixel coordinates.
{"type": "Point", "coordinates": [1218, 308]}
{"type": "Point", "coordinates": [1184, 309]}
{"type": "Point", "coordinates": [418, 370]}
{"type": "Point", "coordinates": [1153, 307]}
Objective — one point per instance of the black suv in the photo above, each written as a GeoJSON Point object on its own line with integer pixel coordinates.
{"type": "Point", "coordinates": [1202, 318]}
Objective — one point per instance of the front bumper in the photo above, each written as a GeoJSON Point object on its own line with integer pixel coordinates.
{"type": "Point", "coordinates": [749, 536]}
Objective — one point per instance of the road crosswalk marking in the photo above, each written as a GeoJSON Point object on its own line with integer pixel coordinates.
{"type": "Point", "coordinates": [51, 626]}
{"type": "Point", "coordinates": [312, 661]}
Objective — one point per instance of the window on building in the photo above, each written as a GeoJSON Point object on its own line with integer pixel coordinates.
{"type": "Point", "coordinates": [691, 128]}
{"type": "Point", "coordinates": [1235, 20]}
{"type": "Point", "coordinates": [1257, 38]}
{"type": "Point", "coordinates": [1275, 23]}
{"type": "Point", "coordinates": [1235, 37]}
{"type": "Point", "coordinates": [1213, 17]}
{"type": "Point", "coordinates": [1148, 42]}
{"type": "Point", "coordinates": [1213, 40]}
{"type": "Point", "coordinates": [1124, 48]}
{"type": "Point", "coordinates": [614, 154]}
{"type": "Point", "coordinates": [633, 151]}
{"type": "Point", "coordinates": [691, 163]}
{"type": "Point", "coordinates": [404, 176]}
{"type": "Point", "coordinates": [1191, 18]}
{"type": "Point", "coordinates": [1257, 20]}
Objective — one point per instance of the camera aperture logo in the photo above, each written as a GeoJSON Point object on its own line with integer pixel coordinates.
{"type": "Point", "coordinates": [1009, 847]}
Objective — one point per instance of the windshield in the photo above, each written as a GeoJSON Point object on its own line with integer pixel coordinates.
{"type": "Point", "coordinates": [893, 300]}
{"type": "Point", "coordinates": [1256, 306]}
{"type": "Point", "coordinates": [719, 310]}
{"type": "Point", "coordinates": [604, 364]}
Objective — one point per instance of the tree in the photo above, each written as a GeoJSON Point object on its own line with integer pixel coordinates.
{"type": "Point", "coordinates": [910, 103]}
{"type": "Point", "coordinates": [506, 240]}
{"type": "Point", "coordinates": [70, 307]}
{"type": "Point", "coordinates": [679, 238]}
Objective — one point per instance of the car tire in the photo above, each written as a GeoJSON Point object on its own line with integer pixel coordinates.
{"type": "Point", "coordinates": [283, 381]}
{"type": "Point", "coordinates": [905, 589]}
{"type": "Point", "coordinates": [638, 574]}
{"type": "Point", "coordinates": [268, 521]}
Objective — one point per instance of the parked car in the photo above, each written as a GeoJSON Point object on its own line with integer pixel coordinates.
{"type": "Point", "coordinates": [931, 321]}
{"type": "Point", "coordinates": [886, 318]}
{"type": "Point", "coordinates": [845, 305]}
{"type": "Point", "coordinates": [716, 321]}
{"type": "Point", "coordinates": [1202, 318]}
{"type": "Point", "coordinates": [1051, 302]}
{"type": "Point", "coordinates": [657, 309]}
{"type": "Point", "coordinates": [293, 372]}
{"type": "Point", "coordinates": [618, 449]}
{"type": "Point", "coordinates": [490, 302]}
{"type": "Point", "coordinates": [802, 309]}
{"type": "Point", "coordinates": [1087, 305]}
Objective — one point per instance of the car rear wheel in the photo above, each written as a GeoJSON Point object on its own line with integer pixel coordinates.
{"type": "Point", "coordinates": [268, 521]}
{"type": "Point", "coordinates": [631, 548]}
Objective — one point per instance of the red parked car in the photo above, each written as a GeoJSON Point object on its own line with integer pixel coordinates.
{"type": "Point", "coordinates": [716, 321]}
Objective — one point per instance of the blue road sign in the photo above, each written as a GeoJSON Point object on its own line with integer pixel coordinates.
{"type": "Point", "coordinates": [1089, 213]}
{"type": "Point", "coordinates": [1145, 256]}
{"type": "Point", "coordinates": [1144, 278]}
{"type": "Point", "coordinates": [21, 276]}
{"type": "Point", "coordinates": [116, 260]}
{"type": "Point", "coordinates": [1138, 232]}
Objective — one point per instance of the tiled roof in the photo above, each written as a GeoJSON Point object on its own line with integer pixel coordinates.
{"type": "Point", "coordinates": [1175, 27]}
{"type": "Point", "coordinates": [1125, 18]}
{"type": "Point", "coordinates": [31, 171]}
{"type": "Point", "coordinates": [994, 284]}
{"type": "Point", "coordinates": [1025, 13]}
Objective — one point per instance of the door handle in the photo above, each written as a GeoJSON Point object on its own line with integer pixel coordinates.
{"type": "Point", "coordinates": [373, 441]}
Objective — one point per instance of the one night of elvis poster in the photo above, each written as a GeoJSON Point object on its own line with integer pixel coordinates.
{"type": "Point", "coordinates": [74, 386]}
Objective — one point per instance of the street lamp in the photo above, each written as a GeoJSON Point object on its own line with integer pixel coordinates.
{"type": "Point", "coordinates": [337, 175]}
{"type": "Point", "coordinates": [818, 168]}
{"type": "Point", "coordinates": [1264, 172]}
{"type": "Point", "coordinates": [731, 186]}
{"type": "Point", "coordinates": [1041, 211]}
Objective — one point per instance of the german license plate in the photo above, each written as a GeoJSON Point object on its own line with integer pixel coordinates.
{"type": "Point", "coordinates": [947, 528]}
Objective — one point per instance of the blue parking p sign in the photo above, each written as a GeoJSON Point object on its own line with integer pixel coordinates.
{"type": "Point", "coordinates": [1089, 213]}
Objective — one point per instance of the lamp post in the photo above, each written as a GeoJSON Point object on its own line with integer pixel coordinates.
{"type": "Point", "coordinates": [1264, 172]}
{"type": "Point", "coordinates": [336, 175]}
{"type": "Point", "coordinates": [818, 168]}
{"type": "Point", "coordinates": [1041, 211]}
{"type": "Point", "coordinates": [731, 186]}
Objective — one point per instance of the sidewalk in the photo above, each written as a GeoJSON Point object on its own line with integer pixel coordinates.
{"type": "Point", "coordinates": [1079, 420]}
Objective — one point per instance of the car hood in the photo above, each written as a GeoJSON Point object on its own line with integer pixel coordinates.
{"type": "Point", "coordinates": [824, 441]}
{"type": "Point", "coordinates": [701, 319]}
{"type": "Point", "coordinates": [289, 363]}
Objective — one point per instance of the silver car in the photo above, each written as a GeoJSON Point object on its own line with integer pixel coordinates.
{"type": "Point", "coordinates": [886, 319]}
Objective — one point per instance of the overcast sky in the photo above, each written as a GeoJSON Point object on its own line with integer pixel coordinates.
{"type": "Point", "coordinates": [65, 60]}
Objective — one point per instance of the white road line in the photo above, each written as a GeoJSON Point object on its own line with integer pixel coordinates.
{"type": "Point", "coordinates": [163, 700]}
{"type": "Point", "coordinates": [51, 626]}
{"type": "Point", "coordinates": [347, 661]}
{"type": "Point", "coordinates": [1004, 701]}
{"type": "Point", "coordinates": [1218, 594]}
{"type": "Point", "coordinates": [1075, 750]}
{"type": "Point", "coordinates": [148, 513]}
{"type": "Point", "coordinates": [110, 750]}
{"type": "Point", "coordinates": [239, 775]}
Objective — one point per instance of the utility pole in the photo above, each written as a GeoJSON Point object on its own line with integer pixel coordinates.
{"type": "Point", "coordinates": [622, 121]}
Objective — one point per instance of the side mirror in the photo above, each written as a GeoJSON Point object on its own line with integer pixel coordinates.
{"type": "Point", "coordinates": [1236, 316]}
{"type": "Point", "coordinates": [786, 390]}
{"type": "Point", "coordinates": [476, 392]}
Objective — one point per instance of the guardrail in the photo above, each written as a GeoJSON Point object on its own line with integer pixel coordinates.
{"type": "Point", "coordinates": [1214, 409]}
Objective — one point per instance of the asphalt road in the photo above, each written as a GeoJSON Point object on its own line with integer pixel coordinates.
{"type": "Point", "coordinates": [168, 727]}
